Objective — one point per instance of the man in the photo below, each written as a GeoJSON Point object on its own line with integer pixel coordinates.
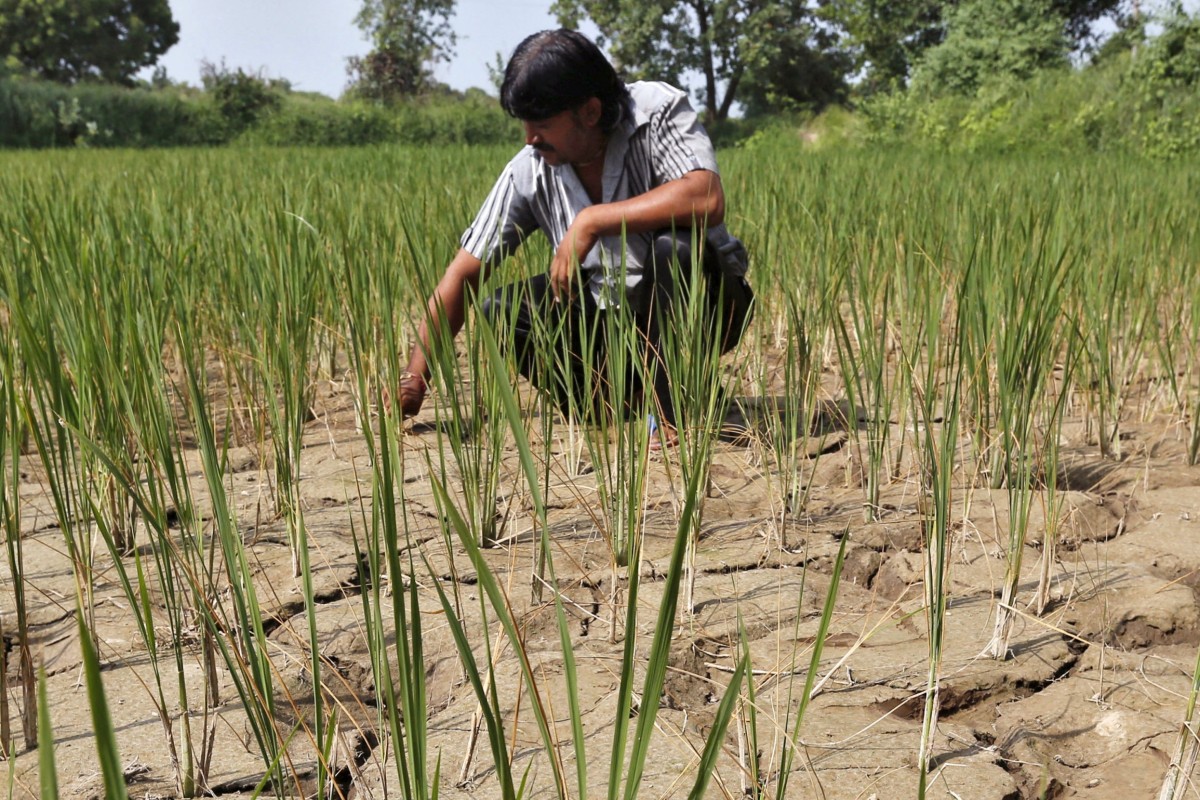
{"type": "Point", "coordinates": [617, 177]}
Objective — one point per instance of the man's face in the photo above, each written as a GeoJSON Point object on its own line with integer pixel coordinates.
{"type": "Point", "coordinates": [569, 137]}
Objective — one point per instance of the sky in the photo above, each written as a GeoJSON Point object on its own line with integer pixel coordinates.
{"type": "Point", "coordinates": [308, 41]}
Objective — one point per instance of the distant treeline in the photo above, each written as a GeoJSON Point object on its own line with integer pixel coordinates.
{"type": "Point", "coordinates": [244, 109]}
{"type": "Point", "coordinates": [1135, 95]}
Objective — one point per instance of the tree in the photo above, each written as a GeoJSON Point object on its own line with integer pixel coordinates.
{"type": "Point", "coordinates": [987, 39]}
{"type": "Point", "coordinates": [883, 39]}
{"type": "Point", "coordinates": [725, 41]}
{"type": "Point", "coordinates": [242, 97]}
{"type": "Point", "coordinates": [72, 40]}
{"type": "Point", "coordinates": [803, 69]}
{"type": "Point", "coordinates": [886, 38]}
{"type": "Point", "coordinates": [408, 38]}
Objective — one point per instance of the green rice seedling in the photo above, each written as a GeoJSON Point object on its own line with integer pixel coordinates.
{"type": "Point", "coordinates": [470, 432]}
{"type": "Point", "coordinates": [787, 751]}
{"type": "Point", "coordinates": [687, 332]}
{"type": "Point", "coordinates": [1048, 459]}
{"type": "Point", "coordinates": [936, 386]}
{"type": "Point", "coordinates": [182, 556]}
{"type": "Point", "coordinates": [610, 401]}
{"type": "Point", "coordinates": [402, 706]}
{"type": "Point", "coordinates": [1029, 279]}
{"type": "Point", "coordinates": [753, 775]}
{"type": "Point", "coordinates": [1192, 374]}
{"type": "Point", "coordinates": [628, 757]}
{"type": "Point", "coordinates": [1183, 759]}
{"type": "Point", "coordinates": [456, 525]}
{"type": "Point", "coordinates": [787, 386]}
{"type": "Point", "coordinates": [238, 631]}
{"type": "Point", "coordinates": [1118, 304]}
{"type": "Point", "coordinates": [324, 729]}
{"type": "Point", "coordinates": [707, 766]}
{"type": "Point", "coordinates": [1178, 348]}
{"type": "Point", "coordinates": [102, 725]}
{"type": "Point", "coordinates": [282, 284]}
{"type": "Point", "coordinates": [468, 403]}
{"type": "Point", "coordinates": [160, 492]}
{"type": "Point", "coordinates": [137, 589]}
{"type": "Point", "coordinates": [47, 768]}
{"type": "Point", "coordinates": [384, 539]}
{"type": "Point", "coordinates": [12, 427]}
{"type": "Point", "coordinates": [863, 347]}
{"type": "Point", "coordinates": [656, 664]}
{"type": "Point", "coordinates": [49, 407]}
{"type": "Point", "coordinates": [621, 452]}
{"type": "Point", "coordinates": [85, 295]}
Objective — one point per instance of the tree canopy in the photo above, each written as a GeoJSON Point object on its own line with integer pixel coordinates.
{"type": "Point", "coordinates": [885, 40]}
{"type": "Point", "coordinates": [73, 40]}
{"type": "Point", "coordinates": [990, 39]}
{"type": "Point", "coordinates": [774, 56]}
{"type": "Point", "coordinates": [730, 43]}
{"type": "Point", "coordinates": [408, 37]}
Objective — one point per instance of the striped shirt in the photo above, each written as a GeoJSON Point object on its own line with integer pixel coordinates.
{"type": "Point", "coordinates": [660, 141]}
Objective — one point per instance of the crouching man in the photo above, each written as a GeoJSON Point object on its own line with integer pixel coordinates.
{"type": "Point", "coordinates": [623, 181]}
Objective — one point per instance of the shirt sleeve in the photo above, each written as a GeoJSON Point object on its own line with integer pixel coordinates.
{"type": "Point", "coordinates": [503, 222]}
{"type": "Point", "coordinates": [678, 142]}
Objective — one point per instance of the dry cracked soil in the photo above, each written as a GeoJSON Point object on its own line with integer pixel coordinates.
{"type": "Point", "coordinates": [1088, 704]}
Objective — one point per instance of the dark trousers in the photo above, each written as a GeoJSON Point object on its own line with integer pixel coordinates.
{"type": "Point", "coordinates": [572, 336]}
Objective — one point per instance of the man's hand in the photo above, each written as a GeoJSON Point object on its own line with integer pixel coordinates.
{"type": "Point", "coordinates": [564, 269]}
{"type": "Point", "coordinates": [410, 394]}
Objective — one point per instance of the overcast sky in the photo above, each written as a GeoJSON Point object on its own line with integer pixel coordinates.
{"type": "Point", "coordinates": [307, 41]}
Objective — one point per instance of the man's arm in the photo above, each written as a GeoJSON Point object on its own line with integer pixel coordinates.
{"type": "Point", "coordinates": [447, 309]}
{"type": "Point", "coordinates": [697, 197]}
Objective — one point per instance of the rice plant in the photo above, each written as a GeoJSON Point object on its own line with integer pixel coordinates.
{"type": "Point", "coordinates": [936, 386]}
{"type": "Point", "coordinates": [47, 767]}
{"type": "Point", "coordinates": [789, 747]}
{"type": "Point", "coordinates": [238, 630]}
{"type": "Point", "coordinates": [12, 429]}
{"type": "Point", "coordinates": [788, 414]}
{"type": "Point", "coordinates": [864, 346]}
{"type": "Point", "coordinates": [689, 331]}
{"type": "Point", "coordinates": [385, 539]}
{"type": "Point", "coordinates": [613, 401]}
{"type": "Point", "coordinates": [1183, 758]}
{"type": "Point", "coordinates": [1028, 281]}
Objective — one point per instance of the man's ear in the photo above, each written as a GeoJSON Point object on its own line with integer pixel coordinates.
{"type": "Point", "coordinates": [591, 111]}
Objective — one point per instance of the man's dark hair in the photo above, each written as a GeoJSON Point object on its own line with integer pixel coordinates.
{"type": "Point", "coordinates": [554, 71]}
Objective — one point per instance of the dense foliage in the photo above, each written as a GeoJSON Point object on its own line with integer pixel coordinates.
{"type": "Point", "coordinates": [1139, 99]}
{"type": "Point", "coordinates": [73, 40]}
{"type": "Point", "coordinates": [985, 38]}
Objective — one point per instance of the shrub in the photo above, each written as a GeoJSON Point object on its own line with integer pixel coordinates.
{"type": "Point", "coordinates": [303, 121]}
{"type": "Point", "coordinates": [474, 120]}
{"type": "Point", "coordinates": [242, 97]}
{"type": "Point", "coordinates": [37, 113]}
{"type": "Point", "coordinates": [1164, 81]}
